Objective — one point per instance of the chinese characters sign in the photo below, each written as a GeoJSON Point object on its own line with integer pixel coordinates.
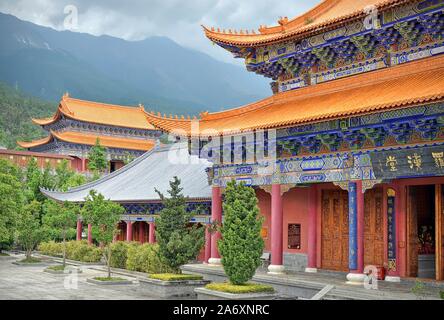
{"type": "Point", "coordinates": [391, 232]}
{"type": "Point", "coordinates": [427, 161]}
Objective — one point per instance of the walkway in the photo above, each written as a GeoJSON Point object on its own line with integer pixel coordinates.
{"type": "Point", "coordinates": [31, 283]}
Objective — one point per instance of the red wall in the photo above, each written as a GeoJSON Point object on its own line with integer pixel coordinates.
{"type": "Point", "coordinates": [296, 211]}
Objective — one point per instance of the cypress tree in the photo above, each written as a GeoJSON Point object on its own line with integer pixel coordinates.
{"type": "Point", "coordinates": [241, 245]}
{"type": "Point", "coordinates": [178, 241]}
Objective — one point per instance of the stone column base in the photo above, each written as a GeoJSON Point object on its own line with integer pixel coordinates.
{"type": "Point", "coordinates": [355, 278]}
{"type": "Point", "coordinates": [214, 262]}
{"type": "Point", "coordinates": [311, 270]}
{"type": "Point", "coordinates": [276, 269]}
{"type": "Point", "coordinates": [392, 279]}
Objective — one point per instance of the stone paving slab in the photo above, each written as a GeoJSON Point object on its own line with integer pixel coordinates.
{"type": "Point", "coordinates": [31, 283]}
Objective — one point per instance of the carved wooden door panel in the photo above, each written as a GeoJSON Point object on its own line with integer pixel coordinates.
{"type": "Point", "coordinates": [412, 233]}
{"type": "Point", "coordinates": [373, 227]}
{"type": "Point", "coordinates": [334, 238]}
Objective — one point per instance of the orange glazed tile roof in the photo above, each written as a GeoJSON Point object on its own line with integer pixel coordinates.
{"type": "Point", "coordinates": [100, 113]}
{"type": "Point", "coordinates": [326, 14]}
{"type": "Point", "coordinates": [395, 87]}
{"type": "Point", "coordinates": [88, 139]}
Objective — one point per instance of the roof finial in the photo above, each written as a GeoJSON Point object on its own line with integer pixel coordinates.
{"type": "Point", "coordinates": [66, 95]}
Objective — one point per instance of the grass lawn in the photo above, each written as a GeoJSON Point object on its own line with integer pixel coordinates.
{"type": "Point", "coordinates": [30, 260]}
{"type": "Point", "coordinates": [239, 288]}
{"type": "Point", "coordinates": [174, 277]}
{"type": "Point", "coordinates": [57, 268]}
{"type": "Point", "coordinates": [3, 254]}
{"type": "Point", "coordinates": [109, 279]}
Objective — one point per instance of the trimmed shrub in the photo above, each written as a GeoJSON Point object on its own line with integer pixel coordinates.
{"type": "Point", "coordinates": [51, 248]}
{"type": "Point", "coordinates": [145, 258]}
{"type": "Point", "coordinates": [239, 288]}
{"type": "Point", "coordinates": [119, 253]}
{"type": "Point", "coordinates": [81, 251]}
{"type": "Point", "coordinates": [75, 250]}
{"type": "Point", "coordinates": [175, 277]}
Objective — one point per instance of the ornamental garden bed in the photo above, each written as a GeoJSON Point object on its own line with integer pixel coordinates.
{"type": "Point", "coordinates": [228, 291]}
{"type": "Point", "coordinates": [109, 281]}
{"type": "Point", "coordinates": [30, 262]}
{"type": "Point", "coordinates": [62, 270]}
{"type": "Point", "coordinates": [167, 285]}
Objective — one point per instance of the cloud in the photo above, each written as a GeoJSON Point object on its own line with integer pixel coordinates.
{"type": "Point", "coordinates": [177, 19]}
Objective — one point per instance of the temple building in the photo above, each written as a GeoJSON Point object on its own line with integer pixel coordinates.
{"type": "Point", "coordinates": [76, 125]}
{"type": "Point", "coordinates": [347, 155]}
{"type": "Point", "coordinates": [133, 186]}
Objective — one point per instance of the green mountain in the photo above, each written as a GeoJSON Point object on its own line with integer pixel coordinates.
{"type": "Point", "coordinates": [16, 111]}
{"type": "Point", "coordinates": [156, 72]}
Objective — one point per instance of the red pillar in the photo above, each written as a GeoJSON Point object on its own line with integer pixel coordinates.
{"type": "Point", "coordinates": [312, 229]}
{"type": "Point", "coordinates": [360, 225]}
{"type": "Point", "coordinates": [79, 230]}
{"type": "Point", "coordinates": [141, 231]}
{"type": "Point", "coordinates": [83, 169]}
{"type": "Point", "coordinates": [129, 231]}
{"type": "Point", "coordinates": [276, 265]}
{"type": "Point", "coordinates": [152, 231]}
{"type": "Point", "coordinates": [401, 227]}
{"type": "Point", "coordinates": [207, 244]}
{"type": "Point", "coordinates": [216, 216]}
{"type": "Point", "coordinates": [89, 233]}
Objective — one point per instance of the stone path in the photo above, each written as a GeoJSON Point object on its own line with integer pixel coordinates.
{"type": "Point", "coordinates": [30, 282]}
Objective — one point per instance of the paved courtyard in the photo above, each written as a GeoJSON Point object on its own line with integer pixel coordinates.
{"type": "Point", "coordinates": [30, 282]}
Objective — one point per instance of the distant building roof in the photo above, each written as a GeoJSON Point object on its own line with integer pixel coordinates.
{"type": "Point", "coordinates": [90, 139]}
{"type": "Point", "coordinates": [136, 181]}
{"type": "Point", "coordinates": [33, 154]}
{"type": "Point", "coordinates": [100, 113]}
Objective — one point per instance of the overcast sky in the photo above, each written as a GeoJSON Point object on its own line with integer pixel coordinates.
{"type": "Point", "coordinates": [179, 20]}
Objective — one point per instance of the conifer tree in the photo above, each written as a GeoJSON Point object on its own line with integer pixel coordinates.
{"type": "Point", "coordinates": [241, 245]}
{"type": "Point", "coordinates": [178, 241]}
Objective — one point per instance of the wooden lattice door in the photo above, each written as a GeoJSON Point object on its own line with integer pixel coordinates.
{"type": "Point", "coordinates": [334, 244]}
{"type": "Point", "coordinates": [373, 227]}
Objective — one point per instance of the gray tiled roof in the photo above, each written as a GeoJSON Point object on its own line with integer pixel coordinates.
{"type": "Point", "coordinates": [136, 181]}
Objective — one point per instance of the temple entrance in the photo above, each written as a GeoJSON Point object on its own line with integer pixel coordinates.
{"type": "Point", "coordinates": [373, 227]}
{"type": "Point", "coordinates": [334, 239]}
{"type": "Point", "coordinates": [140, 231]}
{"type": "Point", "coordinates": [115, 165]}
{"type": "Point", "coordinates": [421, 216]}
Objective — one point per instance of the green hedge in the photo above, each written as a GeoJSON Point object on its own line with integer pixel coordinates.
{"type": "Point", "coordinates": [75, 250]}
{"type": "Point", "coordinates": [132, 256]}
{"type": "Point", "coordinates": [51, 248]}
{"type": "Point", "coordinates": [175, 277]}
{"type": "Point", "coordinates": [239, 288]}
{"type": "Point", "coordinates": [119, 254]}
{"type": "Point", "coordinates": [145, 258]}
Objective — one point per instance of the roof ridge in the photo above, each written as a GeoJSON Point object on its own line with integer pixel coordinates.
{"type": "Point", "coordinates": [111, 105]}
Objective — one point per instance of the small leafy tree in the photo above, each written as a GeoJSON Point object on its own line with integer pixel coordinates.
{"type": "Point", "coordinates": [104, 216]}
{"type": "Point", "coordinates": [178, 241]}
{"type": "Point", "coordinates": [11, 202]}
{"type": "Point", "coordinates": [33, 177]}
{"type": "Point", "coordinates": [241, 245]}
{"type": "Point", "coordinates": [97, 162]}
{"type": "Point", "coordinates": [61, 219]}
{"type": "Point", "coordinates": [29, 228]}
